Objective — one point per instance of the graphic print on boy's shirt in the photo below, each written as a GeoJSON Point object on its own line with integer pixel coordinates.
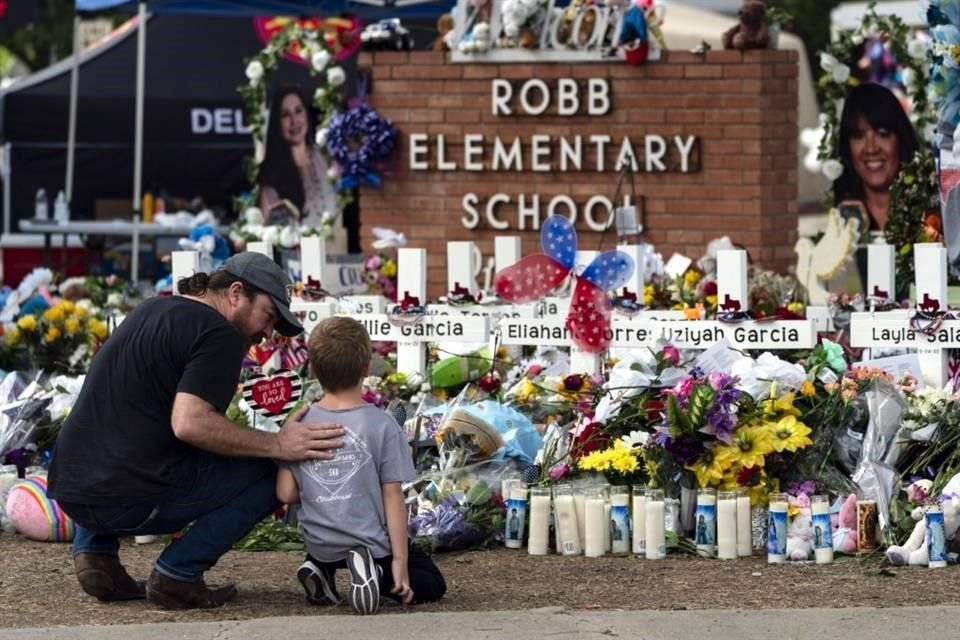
{"type": "Point", "coordinates": [332, 475]}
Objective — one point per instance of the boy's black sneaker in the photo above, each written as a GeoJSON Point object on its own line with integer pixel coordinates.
{"type": "Point", "coordinates": [319, 584]}
{"type": "Point", "coordinates": [364, 594]}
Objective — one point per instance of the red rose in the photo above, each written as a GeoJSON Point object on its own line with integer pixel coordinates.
{"type": "Point", "coordinates": [588, 439]}
{"type": "Point", "coordinates": [710, 288]}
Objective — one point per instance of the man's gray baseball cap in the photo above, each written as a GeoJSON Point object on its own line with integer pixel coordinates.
{"type": "Point", "coordinates": [266, 275]}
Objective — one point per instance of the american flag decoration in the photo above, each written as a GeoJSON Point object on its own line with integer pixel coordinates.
{"type": "Point", "coordinates": [535, 276]}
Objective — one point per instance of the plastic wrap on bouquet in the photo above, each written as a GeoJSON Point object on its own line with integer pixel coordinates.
{"type": "Point", "coordinates": [874, 476]}
{"type": "Point", "coordinates": [20, 416]}
{"type": "Point", "coordinates": [456, 520]}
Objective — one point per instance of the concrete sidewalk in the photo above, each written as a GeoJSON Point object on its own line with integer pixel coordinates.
{"type": "Point", "coordinates": [785, 624]}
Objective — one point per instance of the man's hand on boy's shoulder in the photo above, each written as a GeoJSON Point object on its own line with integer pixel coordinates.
{"type": "Point", "coordinates": [308, 440]}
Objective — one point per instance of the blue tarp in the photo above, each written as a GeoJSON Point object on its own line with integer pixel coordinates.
{"type": "Point", "coordinates": [272, 7]}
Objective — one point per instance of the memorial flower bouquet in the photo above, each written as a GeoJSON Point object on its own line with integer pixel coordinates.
{"type": "Point", "coordinates": [451, 519]}
{"type": "Point", "coordinates": [623, 462]}
{"type": "Point", "coordinates": [380, 274]}
{"type": "Point", "coordinates": [381, 391]}
{"type": "Point", "coordinates": [60, 339]}
{"type": "Point", "coordinates": [930, 433]}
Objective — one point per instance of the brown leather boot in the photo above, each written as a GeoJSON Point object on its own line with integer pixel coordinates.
{"type": "Point", "coordinates": [102, 576]}
{"type": "Point", "coordinates": [168, 593]}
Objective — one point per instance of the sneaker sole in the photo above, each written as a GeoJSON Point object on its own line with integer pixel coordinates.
{"type": "Point", "coordinates": [364, 583]}
{"type": "Point", "coordinates": [324, 595]}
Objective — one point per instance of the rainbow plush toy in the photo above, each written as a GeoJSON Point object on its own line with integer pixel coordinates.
{"type": "Point", "coordinates": [35, 515]}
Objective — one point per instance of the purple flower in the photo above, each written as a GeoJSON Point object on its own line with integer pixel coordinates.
{"type": "Point", "coordinates": [558, 471]}
{"type": "Point", "coordinates": [806, 487]}
{"type": "Point", "coordinates": [685, 449]}
{"type": "Point", "coordinates": [671, 354]}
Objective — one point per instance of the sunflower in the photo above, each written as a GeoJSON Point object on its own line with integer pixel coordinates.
{"type": "Point", "coordinates": [790, 434]}
{"type": "Point", "coordinates": [781, 406]}
{"type": "Point", "coordinates": [710, 467]}
{"type": "Point", "coordinates": [750, 445]}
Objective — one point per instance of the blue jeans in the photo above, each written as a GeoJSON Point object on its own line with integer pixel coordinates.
{"type": "Point", "coordinates": [227, 499]}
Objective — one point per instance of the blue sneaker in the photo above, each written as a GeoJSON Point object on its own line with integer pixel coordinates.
{"type": "Point", "coordinates": [319, 584]}
{"type": "Point", "coordinates": [364, 594]}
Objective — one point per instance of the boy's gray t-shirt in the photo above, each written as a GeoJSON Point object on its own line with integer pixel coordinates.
{"type": "Point", "coordinates": [341, 500]}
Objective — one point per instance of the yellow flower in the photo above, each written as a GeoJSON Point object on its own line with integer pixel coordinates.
{"type": "Point", "coordinates": [691, 278]}
{"type": "Point", "coordinates": [790, 434]}
{"type": "Point", "coordinates": [27, 323]}
{"type": "Point", "coordinates": [795, 307]}
{"type": "Point", "coordinates": [807, 389]}
{"type": "Point", "coordinates": [750, 445]}
{"type": "Point", "coordinates": [71, 326]}
{"type": "Point", "coordinates": [53, 314]}
{"type": "Point", "coordinates": [710, 467]}
{"type": "Point", "coordinates": [80, 312]}
{"type": "Point", "coordinates": [781, 405]}
{"type": "Point", "coordinates": [12, 335]}
{"type": "Point", "coordinates": [648, 295]}
{"type": "Point", "coordinates": [711, 301]}
{"type": "Point", "coordinates": [98, 328]}
{"type": "Point", "coordinates": [52, 334]}
{"type": "Point", "coordinates": [67, 306]}
{"type": "Point", "coordinates": [651, 467]}
{"type": "Point", "coordinates": [527, 391]}
{"type": "Point", "coordinates": [389, 268]}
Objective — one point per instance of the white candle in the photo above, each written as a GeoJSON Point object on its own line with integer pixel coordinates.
{"type": "Point", "coordinates": [516, 514]}
{"type": "Point", "coordinates": [639, 522]}
{"type": "Point", "coordinates": [580, 506]}
{"type": "Point", "coordinates": [606, 525]}
{"type": "Point", "coordinates": [744, 525]}
{"type": "Point", "coordinates": [727, 525]}
{"type": "Point", "coordinates": [620, 520]}
{"type": "Point", "coordinates": [539, 521]}
{"type": "Point", "coordinates": [822, 529]}
{"type": "Point", "coordinates": [655, 533]}
{"type": "Point", "coordinates": [596, 528]}
{"type": "Point", "coordinates": [705, 526]}
{"type": "Point", "coordinates": [566, 517]}
{"type": "Point", "coordinates": [777, 529]}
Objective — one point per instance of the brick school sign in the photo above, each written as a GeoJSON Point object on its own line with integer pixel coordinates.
{"type": "Point", "coordinates": [493, 149]}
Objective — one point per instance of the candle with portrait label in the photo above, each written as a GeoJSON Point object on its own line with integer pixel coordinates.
{"type": "Point", "coordinates": [580, 506]}
{"type": "Point", "coordinates": [596, 527]}
{"type": "Point", "coordinates": [539, 521]}
{"type": "Point", "coordinates": [640, 520]}
{"type": "Point", "coordinates": [866, 525]}
{"type": "Point", "coordinates": [744, 525]}
{"type": "Point", "coordinates": [566, 518]}
{"type": "Point", "coordinates": [606, 520]}
{"type": "Point", "coordinates": [936, 538]}
{"type": "Point", "coordinates": [777, 528]}
{"type": "Point", "coordinates": [727, 525]}
{"type": "Point", "coordinates": [822, 529]}
{"type": "Point", "coordinates": [705, 522]}
{"type": "Point", "coordinates": [620, 520]}
{"type": "Point", "coordinates": [516, 515]}
{"type": "Point", "coordinates": [656, 534]}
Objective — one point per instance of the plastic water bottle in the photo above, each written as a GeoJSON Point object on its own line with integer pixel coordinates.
{"type": "Point", "coordinates": [41, 208]}
{"type": "Point", "coordinates": [61, 212]}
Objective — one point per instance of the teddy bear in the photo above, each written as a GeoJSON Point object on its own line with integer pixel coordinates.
{"type": "Point", "coordinates": [478, 40]}
{"type": "Point", "coordinates": [915, 551]}
{"type": "Point", "coordinates": [751, 31]}
{"type": "Point", "coordinates": [845, 533]}
{"type": "Point", "coordinates": [445, 27]}
{"type": "Point", "coordinates": [800, 529]}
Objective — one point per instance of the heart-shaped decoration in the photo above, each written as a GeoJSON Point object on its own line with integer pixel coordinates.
{"type": "Point", "coordinates": [273, 395]}
{"type": "Point", "coordinates": [341, 33]}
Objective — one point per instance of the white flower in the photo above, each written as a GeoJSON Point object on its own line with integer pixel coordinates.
{"type": "Point", "coordinates": [253, 215]}
{"type": "Point", "coordinates": [415, 379]}
{"type": "Point", "coordinates": [320, 60]}
{"type": "Point", "coordinates": [115, 299]}
{"type": "Point", "coordinates": [636, 439]}
{"type": "Point", "coordinates": [289, 237]}
{"type": "Point", "coordinates": [326, 218]}
{"type": "Point", "coordinates": [271, 235]}
{"type": "Point", "coordinates": [333, 172]}
{"type": "Point", "coordinates": [827, 62]}
{"type": "Point", "coordinates": [832, 169]}
{"type": "Point", "coordinates": [336, 76]}
{"type": "Point", "coordinates": [841, 73]}
{"type": "Point", "coordinates": [917, 49]}
{"type": "Point", "coordinates": [319, 94]}
{"type": "Point", "coordinates": [254, 71]}
{"type": "Point", "coordinates": [857, 39]}
{"type": "Point", "coordinates": [321, 139]}
{"type": "Point", "coordinates": [305, 53]}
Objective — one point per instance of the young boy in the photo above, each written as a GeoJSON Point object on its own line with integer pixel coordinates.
{"type": "Point", "coordinates": [353, 513]}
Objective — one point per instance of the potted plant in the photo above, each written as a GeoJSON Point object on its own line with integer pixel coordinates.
{"type": "Point", "coordinates": [777, 20]}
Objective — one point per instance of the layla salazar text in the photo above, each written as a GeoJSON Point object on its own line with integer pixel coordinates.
{"type": "Point", "coordinates": [497, 211]}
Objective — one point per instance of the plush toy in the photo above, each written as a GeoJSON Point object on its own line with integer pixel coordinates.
{"type": "Point", "coordinates": [800, 529]}
{"type": "Point", "coordinates": [478, 40]}
{"type": "Point", "coordinates": [845, 533]}
{"type": "Point", "coordinates": [445, 28]}
{"type": "Point", "coordinates": [751, 31]}
{"type": "Point", "coordinates": [208, 242]}
{"type": "Point", "coordinates": [35, 515]}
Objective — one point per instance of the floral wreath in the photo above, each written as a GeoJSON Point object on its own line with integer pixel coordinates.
{"type": "Point", "coordinates": [359, 140]}
{"type": "Point", "coordinates": [313, 47]}
{"type": "Point", "coordinates": [835, 79]}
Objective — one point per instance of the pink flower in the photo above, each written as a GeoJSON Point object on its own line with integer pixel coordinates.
{"type": "Point", "coordinates": [671, 354]}
{"type": "Point", "coordinates": [534, 370]}
{"type": "Point", "coordinates": [558, 471]}
{"type": "Point", "coordinates": [373, 263]}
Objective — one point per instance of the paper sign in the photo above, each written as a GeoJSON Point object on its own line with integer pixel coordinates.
{"type": "Point", "coordinates": [677, 265]}
{"type": "Point", "coordinates": [273, 395]}
{"type": "Point", "coordinates": [720, 357]}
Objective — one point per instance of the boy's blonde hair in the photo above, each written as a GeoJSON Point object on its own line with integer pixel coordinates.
{"type": "Point", "coordinates": [339, 350]}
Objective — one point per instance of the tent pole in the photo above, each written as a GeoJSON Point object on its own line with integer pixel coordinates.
{"type": "Point", "coordinates": [138, 125]}
{"type": "Point", "coordinates": [72, 126]}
